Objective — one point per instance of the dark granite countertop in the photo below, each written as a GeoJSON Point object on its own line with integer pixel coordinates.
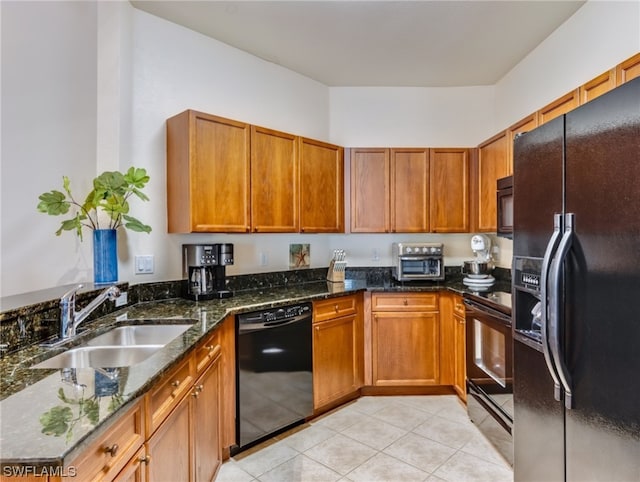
{"type": "Point", "coordinates": [48, 420]}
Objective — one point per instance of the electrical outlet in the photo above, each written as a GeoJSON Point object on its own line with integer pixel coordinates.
{"type": "Point", "coordinates": [375, 255]}
{"type": "Point", "coordinates": [264, 259]}
{"type": "Point", "coordinates": [144, 264]}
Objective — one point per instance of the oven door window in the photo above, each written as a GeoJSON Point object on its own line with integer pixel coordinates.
{"type": "Point", "coordinates": [422, 266]}
{"type": "Point", "coordinates": [490, 351]}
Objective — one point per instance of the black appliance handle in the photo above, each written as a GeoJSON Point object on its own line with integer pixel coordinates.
{"type": "Point", "coordinates": [544, 300]}
{"type": "Point", "coordinates": [555, 307]}
{"type": "Point", "coordinates": [475, 306]}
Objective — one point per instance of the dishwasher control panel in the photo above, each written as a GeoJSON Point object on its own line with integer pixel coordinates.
{"type": "Point", "coordinates": [276, 314]}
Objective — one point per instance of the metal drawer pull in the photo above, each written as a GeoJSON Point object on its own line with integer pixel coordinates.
{"type": "Point", "coordinates": [145, 460]}
{"type": "Point", "coordinates": [405, 302]}
{"type": "Point", "coordinates": [176, 383]}
{"type": "Point", "coordinates": [112, 450]}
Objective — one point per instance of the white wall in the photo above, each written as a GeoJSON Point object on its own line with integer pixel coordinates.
{"type": "Point", "coordinates": [57, 118]}
{"type": "Point", "coordinates": [48, 129]}
{"type": "Point", "coordinates": [410, 116]}
{"type": "Point", "coordinates": [597, 37]}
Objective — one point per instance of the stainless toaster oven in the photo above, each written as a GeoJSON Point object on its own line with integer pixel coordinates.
{"type": "Point", "coordinates": [418, 261]}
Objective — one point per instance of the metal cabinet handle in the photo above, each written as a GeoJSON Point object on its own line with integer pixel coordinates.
{"type": "Point", "coordinates": [175, 384]}
{"type": "Point", "coordinates": [145, 460]}
{"type": "Point", "coordinates": [113, 450]}
{"type": "Point", "coordinates": [405, 302]}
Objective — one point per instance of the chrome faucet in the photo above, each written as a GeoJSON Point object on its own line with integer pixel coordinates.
{"type": "Point", "coordinates": [70, 318]}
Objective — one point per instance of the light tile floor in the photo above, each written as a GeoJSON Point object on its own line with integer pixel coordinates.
{"type": "Point", "coordinates": [395, 439]}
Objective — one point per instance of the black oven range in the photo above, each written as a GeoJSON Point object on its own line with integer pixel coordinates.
{"type": "Point", "coordinates": [490, 366]}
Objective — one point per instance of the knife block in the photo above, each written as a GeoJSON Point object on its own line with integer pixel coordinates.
{"type": "Point", "coordinates": [335, 274]}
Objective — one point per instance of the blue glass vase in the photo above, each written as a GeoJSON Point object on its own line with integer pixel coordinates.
{"type": "Point", "coordinates": [105, 256]}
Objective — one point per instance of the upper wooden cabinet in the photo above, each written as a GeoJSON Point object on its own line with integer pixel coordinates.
{"type": "Point", "coordinates": [409, 194]}
{"type": "Point", "coordinates": [274, 181]}
{"type": "Point", "coordinates": [559, 106]}
{"type": "Point", "coordinates": [409, 190]}
{"type": "Point", "coordinates": [602, 84]}
{"type": "Point", "coordinates": [449, 190]}
{"type": "Point", "coordinates": [207, 174]}
{"type": "Point", "coordinates": [627, 70]}
{"type": "Point", "coordinates": [321, 187]}
{"type": "Point", "coordinates": [370, 190]}
{"type": "Point", "coordinates": [525, 125]}
{"type": "Point", "coordinates": [492, 164]}
{"type": "Point", "coordinates": [229, 177]}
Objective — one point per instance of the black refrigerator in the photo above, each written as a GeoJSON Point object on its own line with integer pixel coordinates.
{"type": "Point", "coordinates": [576, 281]}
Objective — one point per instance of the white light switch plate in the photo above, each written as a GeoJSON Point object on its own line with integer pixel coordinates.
{"type": "Point", "coordinates": [144, 264]}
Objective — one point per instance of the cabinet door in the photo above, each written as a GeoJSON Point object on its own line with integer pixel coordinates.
{"type": "Point", "coordinates": [405, 349]}
{"type": "Point", "coordinates": [409, 193]}
{"type": "Point", "coordinates": [449, 193]}
{"type": "Point", "coordinates": [370, 190]}
{"type": "Point", "coordinates": [559, 106]}
{"type": "Point", "coordinates": [601, 84]}
{"type": "Point", "coordinates": [207, 174]}
{"type": "Point", "coordinates": [206, 422]}
{"type": "Point", "coordinates": [627, 70]}
{"type": "Point", "coordinates": [321, 187]}
{"type": "Point", "coordinates": [460, 384]}
{"type": "Point", "coordinates": [525, 125]}
{"type": "Point", "coordinates": [170, 447]}
{"type": "Point", "coordinates": [135, 470]}
{"type": "Point", "coordinates": [492, 165]}
{"type": "Point", "coordinates": [274, 181]}
{"type": "Point", "coordinates": [338, 359]}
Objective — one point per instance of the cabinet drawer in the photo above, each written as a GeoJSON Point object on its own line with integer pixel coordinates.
{"type": "Point", "coordinates": [167, 393]}
{"type": "Point", "coordinates": [334, 307]}
{"type": "Point", "coordinates": [404, 302]}
{"type": "Point", "coordinates": [110, 453]}
{"type": "Point", "coordinates": [458, 306]}
{"type": "Point", "coordinates": [207, 351]}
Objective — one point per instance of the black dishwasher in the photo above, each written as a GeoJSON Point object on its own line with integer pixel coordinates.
{"type": "Point", "coordinates": [274, 372]}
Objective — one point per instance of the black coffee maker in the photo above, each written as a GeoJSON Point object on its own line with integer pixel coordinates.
{"type": "Point", "coordinates": [203, 267]}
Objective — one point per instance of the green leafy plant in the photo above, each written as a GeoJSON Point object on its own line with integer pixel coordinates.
{"type": "Point", "coordinates": [110, 194]}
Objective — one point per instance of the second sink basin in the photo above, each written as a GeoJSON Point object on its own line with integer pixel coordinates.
{"type": "Point", "coordinates": [139, 335]}
{"type": "Point", "coordinates": [119, 347]}
{"type": "Point", "coordinates": [100, 357]}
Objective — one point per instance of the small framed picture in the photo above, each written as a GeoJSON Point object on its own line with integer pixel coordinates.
{"type": "Point", "coordinates": [299, 256]}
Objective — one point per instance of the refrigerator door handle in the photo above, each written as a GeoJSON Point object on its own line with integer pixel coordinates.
{"type": "Point", "coordinates": [544, 294]}
{"type": "Point", "coordinates": [555, 307]}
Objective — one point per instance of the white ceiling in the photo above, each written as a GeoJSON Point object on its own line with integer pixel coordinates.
{"type": "Point", "coordinates": [377, 43]}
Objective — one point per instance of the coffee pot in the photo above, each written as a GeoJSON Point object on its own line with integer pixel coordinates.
{"type": "Point", "coordinates": [203, 267]}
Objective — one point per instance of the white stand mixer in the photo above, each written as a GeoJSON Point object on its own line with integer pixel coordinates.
{"type": "Point", "coordinates": [478, 271]}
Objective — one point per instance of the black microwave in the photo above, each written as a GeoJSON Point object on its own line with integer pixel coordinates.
{"type": "Point", "coordinates": [504, 207]}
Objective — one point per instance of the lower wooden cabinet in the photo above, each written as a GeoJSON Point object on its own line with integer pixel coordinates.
{"type": "Point", "coordinates": [460, 380]}
{"type": "Point", "coordinates": [170, 447]}
{"type": "Point", "coordinates": [188, 445]}
{"type": "Point", "coordinates": [116, 448]}
{"type": "Point", "coordinates": [452, 338]}
{"type": "Point", "coordinates": [207, 441]}
{"type": "Point", "coordinates": [338, 350]}
{"type": "Point", "coordinates": [406, 348]}
{"type": "Point", "coordinates": [135, 470]}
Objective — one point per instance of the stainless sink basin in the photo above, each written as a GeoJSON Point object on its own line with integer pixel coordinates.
{"type": "Point", "coordinates": [138, 335]}
{"type": "Point", "coordinates": [119, 347]}
{"type": "Point", "coordinates": [100, 357]}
